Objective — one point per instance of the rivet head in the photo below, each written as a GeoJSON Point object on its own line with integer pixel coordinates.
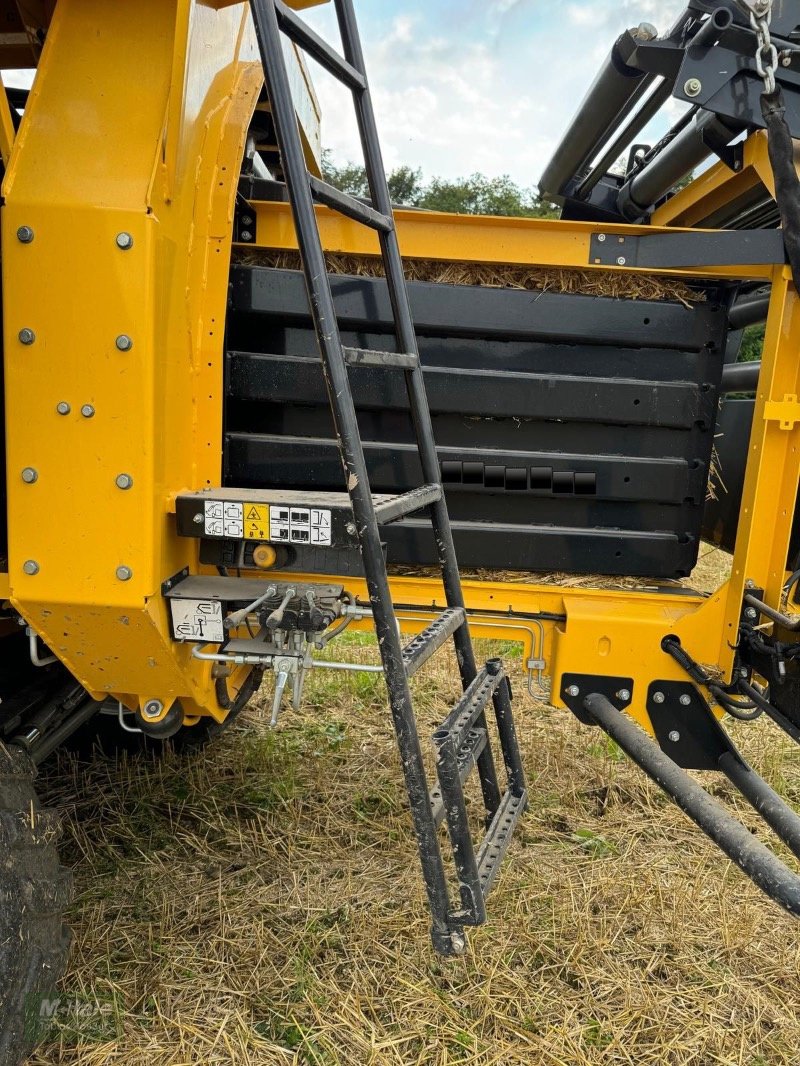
{"type": "Point", "coordinates": [693, 87]}
{"type": "Point", "coordinates": [246, 235]}
{"type": "Point", "coordinates": [624, 695]}
{"type": "Point", "coordinates": [87, 410]}
{"type": "Point", "coordinates": [124, 573]}
{"type": "Point", "coordinates": [621, 260]}
{"type": "Point", "coordinates": [350, 529]}
{"type": "Point", "coordinates": [685, 700]}
{"type": "Point", "coordinates": [124, 342]}
{"type": "Point", "coordinates": [601, 237]}
{"type": "Point", "coordinates": [124, 481]}
{"type": "Point", "coordinates": [63, 408]}
{"type": "Point", "coordinates": [573, 690]}
{"type": "Point", "coordinates": [658, 697]}
{"type": "Point", "coordinates": [26, 336]}
{"type": "Point", "coordinates": [198, 519]}
{"type": "Point", "coordinates": [674, 736]}
{"type": "Point", "coordinates": [29, 475]}
{"type": "Point", "coordinates": [124, 241]}
{"type": "Point", "coordinates": [25, 234]}
{"type": "Point", "coordinates": [247, 220]}
{"type": "Point", "coordinates": [152, 708]}
{"type": "Point", "coordinates": [30, 567]}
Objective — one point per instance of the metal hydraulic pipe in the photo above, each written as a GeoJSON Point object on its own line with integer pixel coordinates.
{"type": "Point", "coordinates": [749, 310]}
{"type": "Point", "coordinates": [677, 159]}
{"type": "Point", "coordinates": [649, 109]}
{"type": "Point", "coordinates": [741, 377]}
{"type": "Point", "coordinates": [610, 99]}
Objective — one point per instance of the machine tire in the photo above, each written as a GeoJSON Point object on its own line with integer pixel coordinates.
{"type": "Point", "coordinates": [34, 893]}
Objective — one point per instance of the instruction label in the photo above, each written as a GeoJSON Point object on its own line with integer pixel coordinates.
{"type": "Point", "coordinates": [197, 620]}
{"type": "Point", "coordinates": [300, 525]}
{"type": "Point", "coordinates": [223, 519]}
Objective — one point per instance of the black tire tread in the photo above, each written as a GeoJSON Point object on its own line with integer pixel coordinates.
{"type": "Point", "coordinates": [35, 890]}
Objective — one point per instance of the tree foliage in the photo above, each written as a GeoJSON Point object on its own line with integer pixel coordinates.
{"type": "Point", "coordinates": [475, 195]}
{"type": "Point", "coordinates": [752, 343]}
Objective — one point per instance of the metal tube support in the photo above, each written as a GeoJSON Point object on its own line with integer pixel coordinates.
{"type": "Point", "coordinates": [610, 99]}
{"type": "Point", "coordinates": [733, 838]}
{"type": "Point", "coordinates": [712, 29]}
{"type": "Point", "coordinates": [740, 377]}
{"type": "Point", "coordinates": [778, 815]}
{"type": "Point", "coordinates": [646, 112]}
{"type": "Point", "coordinates": [415, 382]}
{"type": "Point", "coordinates": [749, 310]}
{"type": "Point", "coordinates": [677, 159]}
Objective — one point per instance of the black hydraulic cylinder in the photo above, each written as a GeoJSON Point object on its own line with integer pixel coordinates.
{"type": "Point", "coordinates": [729, 834]}
{"type": "Point", "coordinates": [609, 101]}
{"type": "Point", "coordinates": [677, 159]}
{"type": "Point", "coordinates": [741, 377]}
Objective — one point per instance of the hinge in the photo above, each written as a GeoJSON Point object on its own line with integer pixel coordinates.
{"type": "Point", "coordinates": [786, 411]}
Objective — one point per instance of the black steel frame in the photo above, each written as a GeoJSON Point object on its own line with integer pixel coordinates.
{"type": "Point", "coordinates": [272, 18]}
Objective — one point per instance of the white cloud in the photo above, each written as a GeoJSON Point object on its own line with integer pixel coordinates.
{"type": "Point", "coordinates": [494, 94]}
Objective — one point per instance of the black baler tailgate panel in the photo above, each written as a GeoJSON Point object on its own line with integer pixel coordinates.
{"type": "Point", "coordinates": [574, 431]}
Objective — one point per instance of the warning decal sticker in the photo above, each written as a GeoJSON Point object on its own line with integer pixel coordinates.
{"type": "Point", "coordinates": [256, 521]}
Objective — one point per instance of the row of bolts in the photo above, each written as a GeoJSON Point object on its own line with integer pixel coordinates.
{"type": "Point", "coordinates": [124, 242]}
{"type": "Point", "coordinates": [624, 696]}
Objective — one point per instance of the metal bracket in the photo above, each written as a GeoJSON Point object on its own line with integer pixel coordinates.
{"type": "Point", "coordinates": [667, 251]}
{"type": "Point", "coordinates": [684, 726]}
{"type": "Point", "coordinates": [576, 687]}
{"type": "Point", "coordinates": [171, 582]}
{"type": "Point", "coordinates": [785, 412]}
{"type": "Point", "coordinates": [732, 155]}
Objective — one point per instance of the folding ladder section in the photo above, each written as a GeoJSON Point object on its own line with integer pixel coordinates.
{"type": "Point", "coordinates": [462, 741]}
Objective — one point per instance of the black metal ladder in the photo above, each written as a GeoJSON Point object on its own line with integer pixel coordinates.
{"type": "Point", "coordinates": [461, 743]}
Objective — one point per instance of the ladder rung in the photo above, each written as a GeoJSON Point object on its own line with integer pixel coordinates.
{"type": "Point", "coordinates": [498, 837]}
{"type": "Point", "coordinates": [469, 707]}
{"type": "Point", "coordinates": [425, 644]}
{"type": "Point", "coordinates": [468, 755]}
{"type": "Point", "coordinates": [349, 206]}
{"type": "Point", "coordinates": [310, 42]}
{"type": "Point", "coordinates": [368, 357]}
{"type": "Point", "coordinates": [407, 502]}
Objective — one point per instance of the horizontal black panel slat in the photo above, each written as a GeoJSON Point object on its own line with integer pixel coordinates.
{"type": "Point", "coordinates": [458, 431]}
{"type": "Point", "coordinates": [621, 551]}
{"type": "Point", "coordinates": [489, 393]}
{"type": "Point", "coordinates": [314, 462]}
{"type": "Point", "coordinates": [255, 333]}
{"type": "Point", "coordinates": [457, 310]}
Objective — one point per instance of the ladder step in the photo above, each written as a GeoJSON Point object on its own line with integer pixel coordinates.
{"type": "Point", "coordinates": [470, 705]}
{"type": "Point", "coordinates": [303, 36]}
{"type": "Point", "coordinates": [498, 837]}
{"type": "Point", "coordinates": [406, 503]}
{"type": "Point", "coordinates": [424, 644]}
{"type": "Point", "coordinates": [468, 755]}
{"type": "Point", "coordinates": [368, 357]}
{"type": "Point", "coordinates": [349, 206]}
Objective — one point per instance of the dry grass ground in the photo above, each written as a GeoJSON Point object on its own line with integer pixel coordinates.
{"type": "Point", "coordinates": [261, 904]}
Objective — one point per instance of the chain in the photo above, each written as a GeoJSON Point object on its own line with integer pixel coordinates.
{"type": "Point", "coordinates": [760, 13]}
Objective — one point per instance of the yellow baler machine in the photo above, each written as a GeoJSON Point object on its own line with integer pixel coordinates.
{"type": "Point", "coordinates": [159, 233]}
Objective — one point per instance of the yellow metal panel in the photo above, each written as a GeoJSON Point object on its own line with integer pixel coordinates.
{"type": "Point", "coordinates": [155, 405]}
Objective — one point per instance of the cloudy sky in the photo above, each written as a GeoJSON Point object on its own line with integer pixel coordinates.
{"type": "Point", "coordinates": [486, 85]}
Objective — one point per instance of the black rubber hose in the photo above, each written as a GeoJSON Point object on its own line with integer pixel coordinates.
{"type": "Point", "coordinates": [787, 183]}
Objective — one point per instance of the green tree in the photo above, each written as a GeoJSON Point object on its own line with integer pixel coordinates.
{"type": "Point", "coordinates": [475, 195]}
{"type": "Point", "coordinates": [752, 344]}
